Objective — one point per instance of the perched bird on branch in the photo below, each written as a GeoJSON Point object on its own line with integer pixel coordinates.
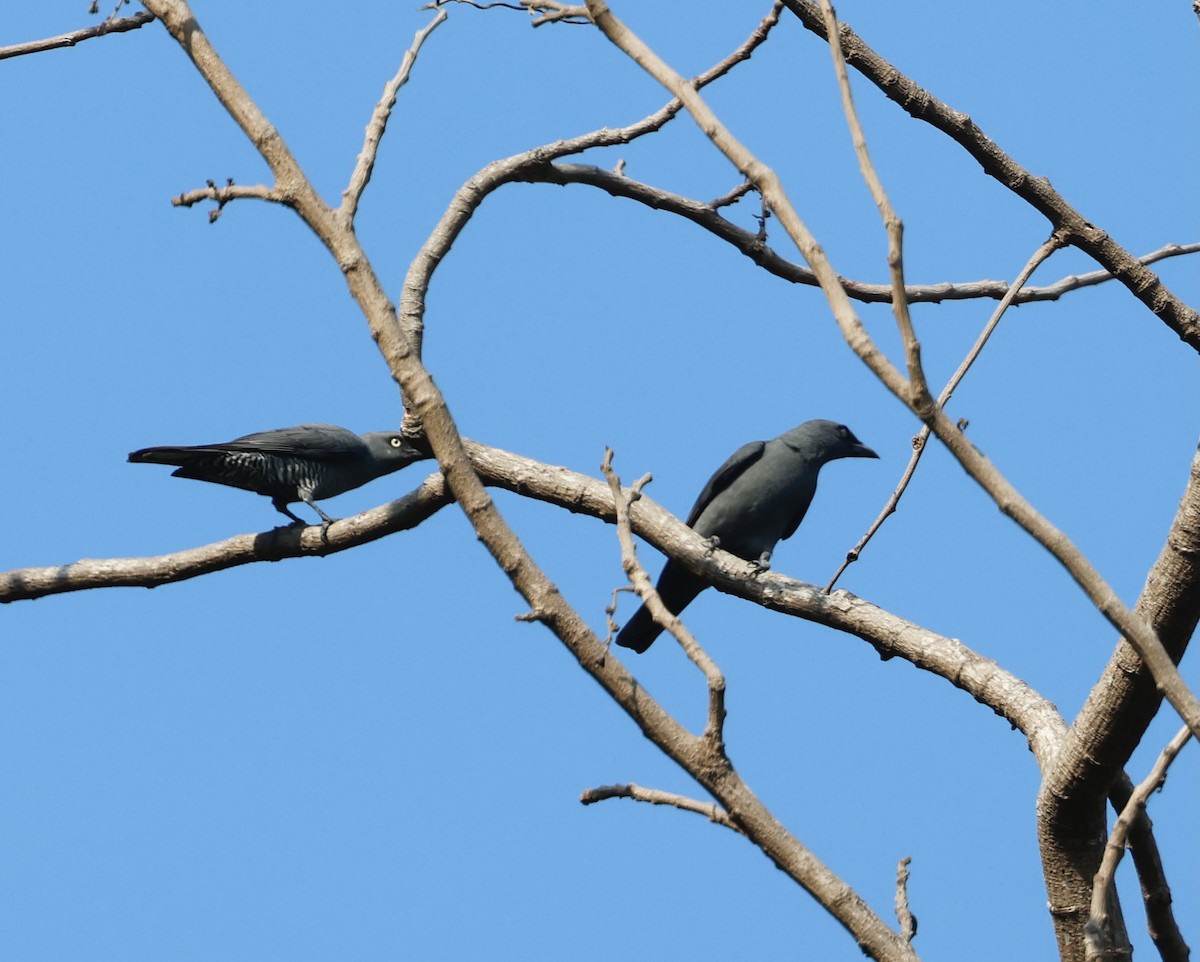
{"type": "Point", "coordinates": [755, 500]}
{"type": "Point", "coordinates": [305, 463]}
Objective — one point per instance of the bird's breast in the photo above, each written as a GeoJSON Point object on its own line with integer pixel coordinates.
{"type": "Point", "coordinates": [752, 514]}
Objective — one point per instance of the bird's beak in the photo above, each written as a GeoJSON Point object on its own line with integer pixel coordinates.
{"type": "Point", "coordinates": [862, 451]}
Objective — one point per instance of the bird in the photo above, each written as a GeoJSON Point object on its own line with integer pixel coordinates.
{"type": "Point", "coordinates": [303, 463]}
{"type": "Point", "coordinates": [756, 499]}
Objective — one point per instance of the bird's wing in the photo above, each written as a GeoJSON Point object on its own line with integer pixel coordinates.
{"type": "Point", "coordinates": [796, 519]}
{"type": "Point", "coordinates": [316, 442]}
{"type": "Point", "coordinates": [738, 462]}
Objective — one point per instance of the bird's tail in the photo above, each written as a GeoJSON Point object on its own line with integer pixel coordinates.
{"type": "Point", "coordinates": [677, 587]}
{"type": "Point", "coordinates": [164, 455]}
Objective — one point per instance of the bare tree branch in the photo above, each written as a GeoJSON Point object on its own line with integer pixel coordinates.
{"type": "Point", "coordinates": [893, 225]}
{"type": "Point", "coordinates": [1161, 923]}
{"type": "Point", "coordinates": [379, 120]}
{"type": "Point", "coordinates": [705, 215]}
{"type": "Point", "coordinates": [223, 195]}
{"type": "Point", "coordinates": [1098, 920]}
{"type": "Point", "coordinates": [438, 4]}
{"type": "Point", "coordinates": [519, 166]}
{"type": "Point", "coordinates": [466, 466]}
{"type": "Point", "coordinates": [25, 584]}
{"type": "Point", "coordinates": [654, 796]}
{"type": "Point", "coordinates": [551, 12]}
{"type": "Point", "coordinates": [110, 25]}
{"type": "Point", "coordinates": [726, 200]}
{"type": "Point", "coordinates": [694, 754]}
{"type": "Point", "coordinates": [714, 729]}
{"type": "Point", "coordinates": [1113, 721]}
{"type": "Point", "coordinates": [1007, 498]}
{"type": "Point", "coordinates": [918, 442]}
{"type": "Point", "coordinates": [893, 637]}
{"type": "Point", "coordinates": [1140, 634]}
{"type": "Point", "coordinates": [1036, 191]}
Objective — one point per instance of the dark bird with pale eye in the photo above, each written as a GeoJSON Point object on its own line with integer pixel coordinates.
{"type": "Point", "coordinates": [306, 463]}
{"type": "Point", "coordinates": [755, 500]}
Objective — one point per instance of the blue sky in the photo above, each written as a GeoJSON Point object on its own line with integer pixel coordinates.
{"type": "Point", "coordinates": [365, 756]}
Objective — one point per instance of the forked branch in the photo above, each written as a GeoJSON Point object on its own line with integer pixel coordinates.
{"type": "Point", "coordinates": [922, 436]}
{"type": "Point", "coordinates": [546, 602]}
{"type": "Point", "coordinates": [714, 729]}
{"type": "Point", "coordinates": [981, 470]}
{"type": "Point", "coordinates": [1115, 846]}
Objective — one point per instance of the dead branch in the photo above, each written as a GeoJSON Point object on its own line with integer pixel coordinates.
{"type": "Point", "coordinates": [892, 224]}
{"type": "Point", "coordinates": [376, 127]}
{"type": "Point", "coordinates": [893, 637]}
{"type": "Point", "coordinates": [223, 195]}
{"type": "Point", "coordinates": [1080, 231]}
{"type": "Point", "coordinates": [918, 442]}
{"type": "Point", "coordinates": [715, 727]}
{"type": "Point", "coordinates": [654, 796]}
{"type": "Point", "coordinates": [749, 243]}
{"type": "Point", "coordinates": [123, 25]}
{"type": "Point", "coordinates": [294, 541]}
{"type": "Point", "coordinates": [696, 755]}
{"type": "Point", "coordinates": [1115, 847]}
{"type": "Point", "coordinates": [981, 470]}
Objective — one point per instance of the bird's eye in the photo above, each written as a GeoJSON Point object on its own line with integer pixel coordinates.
{"type": "Point", "coordinates": [396, 442]}
{"type": "Point", "coordinates": [843, 431]}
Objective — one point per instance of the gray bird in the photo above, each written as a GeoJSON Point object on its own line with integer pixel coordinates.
{"type": "Point", "coordinates": [755, 500]}
{"type": "Point", "coordinates": [305, 463]}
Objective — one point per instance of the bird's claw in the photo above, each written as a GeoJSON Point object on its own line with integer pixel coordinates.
{"type": "Point", "coordinates": [712, 543]}
{"type": "Point", "coordinates": [761, 564]}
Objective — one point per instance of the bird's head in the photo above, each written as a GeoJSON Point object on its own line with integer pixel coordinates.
{"type": "Point", "coordinates": [391, 451]}
{"type": "Point", "coordinates": [827, 441]}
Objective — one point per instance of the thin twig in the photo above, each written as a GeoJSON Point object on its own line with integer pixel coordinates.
{"type": "Point", "coordinates": [223, 195]}
{"type": "Point", "coordinates": [640, 579]}
{"type": "Point", "coordinates": [919, 441]}
{"type": "Point", "coordinates": [725, 200]}
{"type": "Point", "coordinates": [1115, 847]}
{"type": "Point", "coordinates": [892, 223]}
{"type": "Point", "coordinates": [438, 4]}
{"type": "Point", "coordinates": [1161, 924]}
{"type": "Point", "coordinates": [365, 164]}
{"type": "Point", "coordinates": [654, 796]}
{"type": "Point", "coordinates": [123, 25]}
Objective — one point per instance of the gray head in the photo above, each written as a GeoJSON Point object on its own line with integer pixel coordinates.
{"type": "Point", "coordinates": [826, 441]}
{"type": "Point", "coordinates": [390, 451]}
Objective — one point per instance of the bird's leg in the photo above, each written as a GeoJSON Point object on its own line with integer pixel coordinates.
{"type": "Point", "coordinates": [312, 504]}
{"type": "Point", "coordinates": [282, 508]}
{"type": "Point", "coordinates": [762, 563]}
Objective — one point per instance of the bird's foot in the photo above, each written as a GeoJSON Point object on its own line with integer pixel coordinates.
{"type": "Point", "coordinates": [712, 543]}
{"type": "Point", "coordinates": [761, 563]}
